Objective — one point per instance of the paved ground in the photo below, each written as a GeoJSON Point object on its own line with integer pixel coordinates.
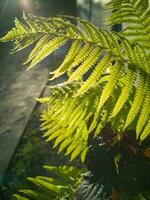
{"type": "Point", "coordinates": [17, 91]}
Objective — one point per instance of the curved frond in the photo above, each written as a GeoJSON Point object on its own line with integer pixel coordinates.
{"type": "Point", "coordinates": [42, 42]}
{"type": "Point", "coordinates": [108, 89]}
{"type": "Point", "coordinates": [104, 40]}
{"type": "Point", "coordinates": [86, 65]}
{"type": "Point", "coordinates": [47, 49]}
{"type": "Point", "coordinates": [137, 101]}
{"type": "Point", "coordinates": [69, 59]}
{"type": "Point", "coordinates": [145, 132]}
{"type": "Point", "coordinates": [100, 68]}
{"type": "Point", "coordinates": [145, 111]}
{"type": "Point", "coordinates": [124, 93]}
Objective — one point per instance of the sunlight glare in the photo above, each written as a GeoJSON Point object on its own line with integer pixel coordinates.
{"type": "Point", "coordinates": [26, 5]}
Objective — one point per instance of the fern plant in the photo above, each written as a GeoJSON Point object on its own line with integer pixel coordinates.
{"type": "Point", "coordinates": [62, 187]}
{"type": "Point", "coordinates": [108, 83]}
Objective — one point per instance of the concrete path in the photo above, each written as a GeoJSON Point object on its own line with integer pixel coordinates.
{"type": "Point", "coordinates": [18, 89]}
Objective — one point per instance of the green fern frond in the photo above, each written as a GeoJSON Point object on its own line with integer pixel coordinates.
{"type": "Point", "coordinates": [145, 132]}
{"type": "Point", "coordinates": [52, 180]}
{"type": "Point", "coordinates": [127, 88]}
{"type": "Point", "coordinates": [137, 102]}
{"type": "Point", "coordinates": [24, 43]}
{"type": "Point", "coordinates": [54, 190]}
{"type": "Point", "coordinates": [106, 40]}
{"type": "Point", "coordinates": [66, 172]}
{"type": "Point", "coordinates": [108, 89]}
{"type": "Point", "coordinates": [67, 119]}
{"type": "Point", "coordinates": [47, 49]}
{"type": "Point", "coordinates": [145, 111]}
{"type": "Point", "coordinates": [135, 15]}
{"type": "Point", "coordinates": [86, 65]}
{"type": "Point", "coordinates": [65, 143]}
{"type": "Point", "coordinates": [73, 51]}
{"type": "Point", "coordinates": [96, 74]}
{"type": "Point", "coordinates": [19, 197]}
{"type": "Point", "coordinates": [70, 120]}
{"type": "Point", "coordinates": [67, 179]}
{"type": "Point", "coordinates": [83, 53]}
{"type": "Point", "coordinates": [42, 42]}
{"type": "Point", "coordinates": [102, 123]}
{"type": "Point", "coordinates": [35, 194]}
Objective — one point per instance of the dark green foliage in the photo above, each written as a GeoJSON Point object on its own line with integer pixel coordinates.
{"type": "Point", "coordinates": [92, 189]}
{"type": "Point", "coordinates": [134, 166]}
{"type": "Point", "coordinates": [132, 178]}
{"type": "Point", "coordinates": [102, 176]}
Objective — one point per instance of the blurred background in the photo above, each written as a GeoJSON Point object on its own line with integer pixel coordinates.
{"type": "Point", "coordinates": [89, 9]}
{"type": "Point", "coordinates": [20, 137]}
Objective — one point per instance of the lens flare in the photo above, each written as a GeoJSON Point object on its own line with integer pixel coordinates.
{"type": "Point", "coordinates": [27, 5]}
